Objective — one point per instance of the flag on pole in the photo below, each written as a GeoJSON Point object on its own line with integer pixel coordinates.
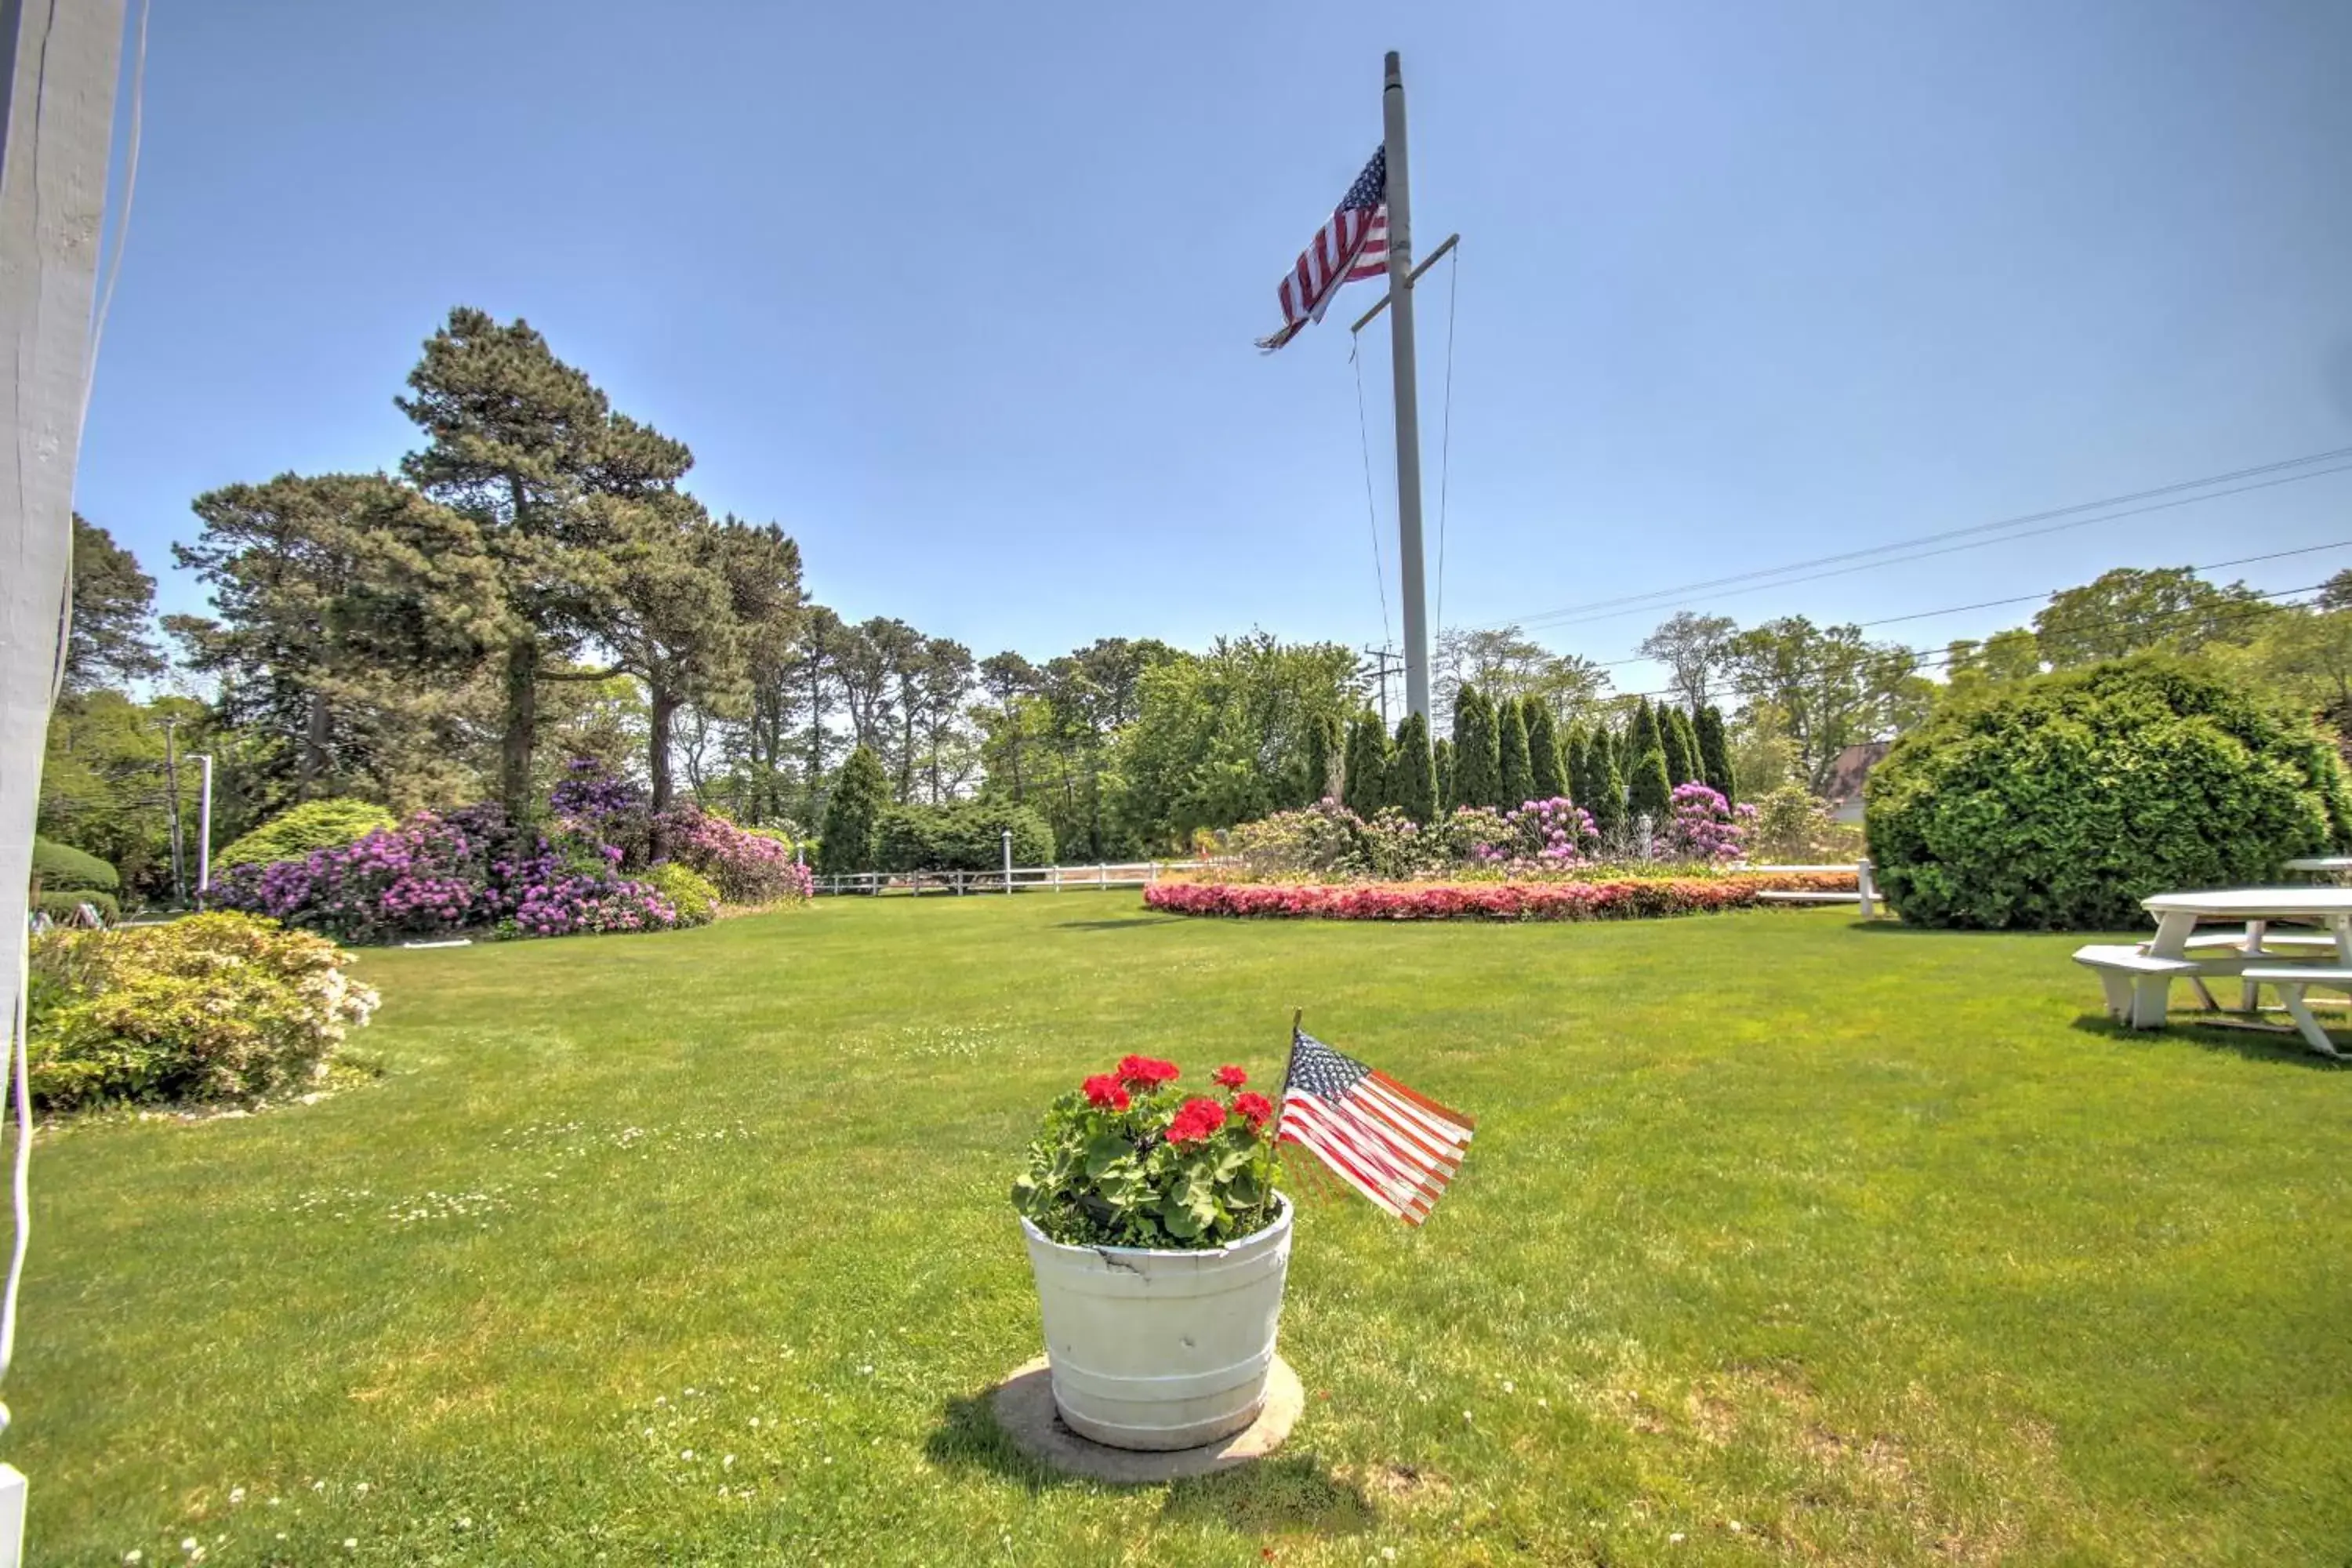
{"type": "Point", "coordinates": [1354, 244]}
{"type": "Point", "coordinates": [1396, 1147]}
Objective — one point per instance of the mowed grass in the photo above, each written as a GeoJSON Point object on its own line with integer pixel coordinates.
{"type": "Point", "coordinates": [1783, 1241]}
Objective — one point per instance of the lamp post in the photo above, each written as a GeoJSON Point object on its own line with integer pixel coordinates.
{"type": "Point", "coordinates": [205, 832]}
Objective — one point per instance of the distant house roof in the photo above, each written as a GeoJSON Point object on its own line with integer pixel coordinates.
{"type": "Point", "coordinates": [1846, 773]}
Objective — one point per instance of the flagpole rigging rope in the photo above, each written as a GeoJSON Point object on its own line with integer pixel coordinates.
{"type": "Point", "coordinates": [1372, 507]}
{"type": "Point", "coordinates": [1446, 445]}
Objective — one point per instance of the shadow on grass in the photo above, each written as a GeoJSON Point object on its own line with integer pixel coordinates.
{"type": "Point", "coordinates": [1128, 923]}
{"type": "Point", "coordinates": [2280, 1047]}
{"type": "Point", "coordinates": [1283, 1492]}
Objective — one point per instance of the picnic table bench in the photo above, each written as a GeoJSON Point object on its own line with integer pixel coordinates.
{"type": "Point", "coordinates": [2138, 979]}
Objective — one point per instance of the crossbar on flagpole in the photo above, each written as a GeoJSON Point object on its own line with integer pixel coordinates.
{"type": "Point", "coordinates": [1366, 319]}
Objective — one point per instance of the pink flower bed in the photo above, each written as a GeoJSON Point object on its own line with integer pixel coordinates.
{"type": "Point", "coordinates": [1629, 899]}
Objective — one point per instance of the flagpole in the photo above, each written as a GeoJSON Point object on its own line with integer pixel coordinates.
{"type": "Point", "coordinates": [1408, 407]}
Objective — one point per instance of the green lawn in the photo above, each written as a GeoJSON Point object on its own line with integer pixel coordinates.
{"type": "Point", "coordinates": [1783, 1241]}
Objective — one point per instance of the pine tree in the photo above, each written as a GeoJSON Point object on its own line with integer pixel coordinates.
{"type": "Point", "coordinates": [1640, 736]}
{"type": "Point", "coordinates": [1441, 759]}
{"type": "Point", "coordinates": [1517, 773]}
{"type": "Point", "coordinates": [1608, 803]}
{"type": "Point", "coordinates": [1682, 764]}
{"type": "Point", "coordinates": [859, 797]}
{"type": "Point", "coordinates": [1323, 752]}
{"type": "Point", "coordinates": [1413, 775]}
{"type": "Point", "coordinates": [1648, 792]}
{"type": "Point", "coordinates": [1366, 788]}
{"type": "Point", "coordinates": [1544, 762]}
{"type": "Point", "coordinates": [526, 448]}
{"type": "Point", "coordinates": [1714, 756]}
{"type": "Point", "coordinates": [1478, 750]}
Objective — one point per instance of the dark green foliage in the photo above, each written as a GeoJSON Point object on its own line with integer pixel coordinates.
{"type": "Point", "coordinates": [851, 817]}
{"type": "Point", "coordinates": [1680, 760]}
{"type": "Point", "coordinates": [1544, 766]}
{"type": "Point", "coordinates": [2061, 801]}
{"type": "Point", "coordinates": [1478, 750]}
{"type": "Point", "coordinates": [1576, 755]}
{"type": "Point", "coordinates": [1412, 772]}
{"type": "Point", "coordinates": [1608, 803]}
{"type": "Point", "coordinates": [113, 634]}
{"type": "Point", "coordinates": [62, 868]}
{"type": "Point", "coordinates": [1323, 757]}
{"type": "Point", "coordinates": [1681, 748]}
{"type": "Point", "coordinates": [315, 825]}
{"type": "Point", "coordinates": [1714, 753]}
{"type": "Point", "coordinates": [1366, 788]}
{"type": "Point", "coordinates": [1648, 791]}
{"type": "Point", "coordinates": [1441, 757]}
{"type": "Point", "coordinates": [1518, 782]}
{"type": "Point", "coordinates": [962, 836]}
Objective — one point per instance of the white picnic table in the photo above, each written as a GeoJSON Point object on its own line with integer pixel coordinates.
{"type": "Point", "coordinates": [2138, 979]}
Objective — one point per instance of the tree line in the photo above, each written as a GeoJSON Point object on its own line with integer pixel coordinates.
{"type": "Point", "coordinates": [532, 582]}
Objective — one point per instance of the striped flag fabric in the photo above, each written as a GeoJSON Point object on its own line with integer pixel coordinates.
{"type": "Point", "coordinates": [1398, 1148]}
{"type": "Point", "coordinates": [1354, 244]}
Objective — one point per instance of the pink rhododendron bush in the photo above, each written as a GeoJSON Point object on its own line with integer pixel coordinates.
{"type": "Point", "coordinates": [1628, 898]}
{"type": "Point", "coordinates": [1542, 840]}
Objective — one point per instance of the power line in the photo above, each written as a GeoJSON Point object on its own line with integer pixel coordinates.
{"type": "Point", "coordinates": [2239, 610]}
{"type": "Point", "coordinates": [1594, 610]}
{"type": "Point", "coordinates": [2028, 598]}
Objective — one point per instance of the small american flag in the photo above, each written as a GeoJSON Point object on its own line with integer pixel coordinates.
{"type": "Point", "coordinates": [1391, 1144]}
{"type": "Point", "coordinates": [1354, 244]}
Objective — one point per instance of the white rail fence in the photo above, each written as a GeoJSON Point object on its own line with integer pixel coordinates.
{"type": "Point", "coordinates": [1010, 878]}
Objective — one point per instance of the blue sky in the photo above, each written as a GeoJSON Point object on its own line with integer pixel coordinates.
{"type": "Point", "coordinates": [963, 295]}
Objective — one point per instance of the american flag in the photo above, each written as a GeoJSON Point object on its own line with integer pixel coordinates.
{"type": "Point", "coordinates": [1354, 244]}
{"type": "Point", "coordinates": [1391, 1144]}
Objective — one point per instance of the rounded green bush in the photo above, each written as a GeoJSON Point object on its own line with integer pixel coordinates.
{"type": "Point", "coordinates": [692, 894]}
{"type": "Point", "coordinates": [212, 1007]}
{"type": "Point", "coordinates": [2060, 802]}
{"type": "Point", "coordinates": [314, 825]}
{"type": "Point", "coordinates": [62, 868]}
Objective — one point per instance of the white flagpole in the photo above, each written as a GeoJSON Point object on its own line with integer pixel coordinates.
{"type": "Point", "coordinates": [1408, 405]}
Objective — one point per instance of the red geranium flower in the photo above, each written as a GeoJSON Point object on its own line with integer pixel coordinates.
{"type": "Point", "coordinates": [1104, 1091]}
{"type": "Point", "coordinates": [1196, 1120]}
{"type": "Point", "coordinates": [1231, 1077]}
{"type": "Point", "coordinates": [1144, 1072]}
{"type": "Point", "coordinates": [1256, 1107]}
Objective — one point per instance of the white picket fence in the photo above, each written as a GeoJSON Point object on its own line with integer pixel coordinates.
{"type": "Point", "coordinates": [1009, 879]}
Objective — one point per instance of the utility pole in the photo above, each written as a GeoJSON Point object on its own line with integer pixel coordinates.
{"type": "Point", "coordinates": [172, 788]}
{"type": "Point", "coordinates": [1384, 663]}
{"type": "Point", "coordinates": [1408, 402]}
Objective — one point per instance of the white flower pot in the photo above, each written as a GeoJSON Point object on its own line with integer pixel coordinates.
{"type": "Point", "coordinates": [1160, 1349]}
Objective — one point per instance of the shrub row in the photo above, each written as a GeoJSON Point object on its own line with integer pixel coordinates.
{"type": "Point", "coordinates": [1629, 899]}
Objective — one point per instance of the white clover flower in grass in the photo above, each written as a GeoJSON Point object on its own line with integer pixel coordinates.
{"type": "Point", "coordinates": [350, 1543]}
{"type": "Point", "coordinates": [134, 1555]}
{"type": "Point", "coordinates": [237, 1494]}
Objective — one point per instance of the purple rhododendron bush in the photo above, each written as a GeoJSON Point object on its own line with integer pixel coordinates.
{"type": "Point", "coordinates": [601, 862]}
